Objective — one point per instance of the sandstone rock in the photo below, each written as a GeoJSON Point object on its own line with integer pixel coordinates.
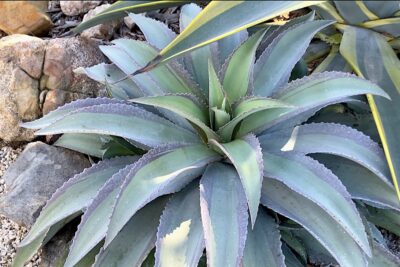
{"type": "Point", "coordinates": [102, 31]}
{"type": "Point", "coordinates": [26, 17]}
{"type": "Point", "coordinates": [36, 76]}
{"type": "Point", "coordinates": [34, 177]}
{"type": "Point", "coordinates": [74, 8]}
{"type": "Point", "coordinates": [21, 60]}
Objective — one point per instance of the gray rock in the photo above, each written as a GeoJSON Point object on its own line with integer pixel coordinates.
{"type": "Point", "coordinates": [102, 31]}
{"type": "Point", "coordinates": [36, 76]}
{"type": "Point", "coordinates": [34, 177]}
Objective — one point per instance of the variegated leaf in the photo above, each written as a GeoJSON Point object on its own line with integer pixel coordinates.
{"type": "Point", "coordinates": [245, 154]}
{"type": "Point", "coordinates": [127, 121]}
{"type": "Point", "coordinates": [281, 56]}
{"type": "Point", "coordinates": [296, 171]}
{"type": "Point", "coordinates": [159, 172]}
{"type": "Point", "coordinates": [223, 210]}
{"type": "Point", "coordinates": [180, 239]}
{"type": "Point", "coordinates": [135, 241]}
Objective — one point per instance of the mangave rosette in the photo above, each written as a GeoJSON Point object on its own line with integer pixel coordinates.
{"type": "Point", "coordinates": [207, 159]}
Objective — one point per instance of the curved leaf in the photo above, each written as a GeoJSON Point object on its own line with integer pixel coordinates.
{"type": "Point", "coordinates": [120, 8]}
{"type": "Point", "coordinates": [386, 26]}
{"type": "Point", "coordinates": [221, 19]}
{"type": "Point", "coordinates": [180, 240]}
{"type": "Point", "coordinates": [281, 56]}
{"type": "Point", "coordinates": [109, 74]}
{"type": "Point", "coordinates": [307, 94]}
{"type": "Point", "coordinates": [223, 210]}
{"type": "Point", "coordinates": [186, 106]}
{"type": "Point", "coordinates": [62, 111]}
{"type": "Point", "coordinates": [93, 226]}
{"type": "Point", "coordinates": [330, 138]}
{"type": "Point", "coordinates": [159, 172]}
{"type": "Point", "coordinates": [196, 61]}
{"type": "Point", "coordinates": [360, 47]}
{"type": "Point", "coordinates": [298, 171]}
{"type": "Point", "coordinates": [90, 144]}
{"type": "Point", "coordinates": [381, 256]}
{"type": "Point", "coordinates": [361, 183]}
{"type": "Point", "coordinates": [157, 33]}
{"type": "Point", "coordinates": [263, 244]}
{"type": "Point", "coordinates": [385, 218]}
{"type": "Point", "coordinates": [245, 154]}
{"type": "Point", "coordinates": [122, 120]}
{"type": "Point", "coordinates": [239, 68]}
{"type": "Point", "coordinates": [75, 195]}
{"type": "Point", "coordinates": [354, 12]}
{"type": "Point", "coordinates": [136, 239]}
{"type": "Point", "coordinates": [247, 107]}
{"type": "Point", "coordinates": [282, 199]}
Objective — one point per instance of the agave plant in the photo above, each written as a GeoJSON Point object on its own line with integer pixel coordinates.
{"type": "Point", "coordinates": [211, 153]}
{"type": "Point", "coordinates": [364, 40]}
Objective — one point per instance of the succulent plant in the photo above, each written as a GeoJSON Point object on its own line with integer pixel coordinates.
{"type": "Point", "coordinates": [210, 152]}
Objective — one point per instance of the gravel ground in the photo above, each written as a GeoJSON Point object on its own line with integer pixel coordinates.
{"type": "Point", "coordinates": [10, 233]}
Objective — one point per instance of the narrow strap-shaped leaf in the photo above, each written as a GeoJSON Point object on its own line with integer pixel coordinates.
{"type": "Point", "coordinates": [361, 183]}
{"type": "Point", "coordinates": [247, 107]}
{"type": "Point", "coordinates": [245, 154]}
{"type": "Point", "coordinates": [132, 245]}
{"type": "Point", "coordinates": [330, 138]}
{"type": "Point", "coordinates": [389, 26]}
{"type": "Point", "coordinates": [122, 120]}
{"type": "Point", "coordinates": [315, 220]}
{"type": "Point", "coordinates": [327, 10]}
{"type": "Point", "coordinates": [186, 106]}
{"type": "Point", "coordinates": [90, 144]}
{"type": "Point", "coordinates": [263, 244]}
{"type": "Point", "coordinates": [157, 173]}
{"type": "Point", "coordinates": [120, 8]}
{"type": "Point", "coordinates": [223, 210]}
{"type": "Point", "coordinates": [281, 56]}
{"type": "Point", "coordinates": [307, 94]}
{"type": "Point", "coordinates": [196, 61]}
{"type": "Point", "coordinates": [130, 55]}
{"type": "Point", "coordinates": [354, 12]}
{"type": "Point", "coordinates": [75, 195]}
{"type": "Point", "coordinates": [358, 47]}
{"type": "Point", "coordinates": [60, 112]}
{"type": "Point", "coordinates": [157, 33]}
{"type": "Point", "coordinates": [221, 19]}
{"type": "Point", "coordinates": [326, 191]}
{"type": "Point", "coordinates": [180, 239]}
{"type": "Point", "coordinates": [383, 11]}
{"type": "Point", "coordinates": [239, 68]}
{"type": "Point", "coordinates": [333, 62]}
{"type": "Point", "coordinates": [385, 218]}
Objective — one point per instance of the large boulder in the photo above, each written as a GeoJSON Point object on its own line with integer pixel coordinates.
{"type": "Point", "coordinates": [36, 76]}
{"type": "Point", "coordinates": [26, 17]}
{"type": "Point", "coordinates": [34, 177]}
